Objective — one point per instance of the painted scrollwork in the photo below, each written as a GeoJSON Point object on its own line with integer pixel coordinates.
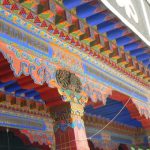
{"type": "Point", "coordinates": [68, 81]}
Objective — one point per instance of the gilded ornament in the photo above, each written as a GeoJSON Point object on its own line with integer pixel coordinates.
{"type": "Point", "coordinates": [68, 81]}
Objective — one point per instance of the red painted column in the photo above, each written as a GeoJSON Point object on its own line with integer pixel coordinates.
{"type": "Point", "coordinates": [69, 127]}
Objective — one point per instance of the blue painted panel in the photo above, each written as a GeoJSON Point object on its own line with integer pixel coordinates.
{"type": "Point", "coordinates": [143, 57]}
{"type": "Point", "coordinates": [110, 110]}
{"type": "Point", "coordinates": [12, 86]}
{"type": "Point", "coordinates": [86, 10]}
{"type": "Point", "coordinates": [106, 26]}
{"type": "Point", "coordinates": [137, 52]}
{"type": "Point", "coordinates": [3, 84]}
{"type": "Point", "coordinates": [114, 34]}
{"type": "Point", "coordinates": [146, 62]}
{"type": "Point", "coordinates": [124, 40]}
{"type": "Point", "coordinates": [70, 4]}
{"type": "Point", "coordinates": [37, 97]}
{"type": "Point", "coordinates": [96, 19]}
{"type": "Point", "coordinates": [20, 92]}
{"type": "Point", "coordinates": [21, 122]}
{"type": "Point", "coordinates": [32, 93]}
{"type": "Point", "coordinates": [131, 46]}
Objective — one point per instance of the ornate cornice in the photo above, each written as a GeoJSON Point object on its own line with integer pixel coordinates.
{"type": "Point", "coordinates": [85, 55]}
{"type": "Point", "coordinates": [82, 54]}
{"type": "Point", "coordinates": [98, 123]}
{"type": "Point", "coordinates": [44, 70]}
{"type": "Point", "coordinates": [63, 21]}
{"type": "Point", "coordinates": [24, 11]}
{"type": "Point", "coordinates": [18, 104]}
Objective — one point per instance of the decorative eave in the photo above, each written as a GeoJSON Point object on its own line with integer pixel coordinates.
{"type": "Point", "coordinates": [18, 104]}
{"type": "Point", "coordinates": [143, 108]}
{"type": "Point", "coordinates": [99, 122]}
{"type": "Point", "coordinates": [106, 50]}
{"type": "Point", "coordinates": [83, 55]}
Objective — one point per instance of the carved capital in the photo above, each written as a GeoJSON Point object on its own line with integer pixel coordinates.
{"type": "Point", "coordinates": [70, 88]}
{"type": "Point", "coordinates": [68, 115]}
{"type": "Point", "coordinates": [70, 96]}
{"type": "Point", "coordinates": [68, 81]}
{"type": "Point", "coordinates": [67, 111]}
